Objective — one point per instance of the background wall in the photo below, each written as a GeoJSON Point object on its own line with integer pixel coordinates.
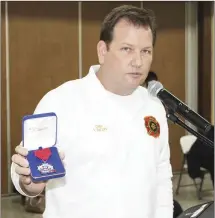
{"type": "Point", "coordinates": [212, 60]}
{"type": "Point", "coordinates": [52, 42]}
{"type": "Point", "coordinates": [205, 51]}
{"type": "Point", "coordinates": [4, 174]}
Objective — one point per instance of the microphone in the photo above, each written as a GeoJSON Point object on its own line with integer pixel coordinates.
{"type": "Point", "coordinates": [156, 89]}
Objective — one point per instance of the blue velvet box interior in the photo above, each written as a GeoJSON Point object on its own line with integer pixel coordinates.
{"type": "Point", "coordinates": [39, 132]}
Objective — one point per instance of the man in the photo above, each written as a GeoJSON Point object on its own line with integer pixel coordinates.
{"type": "Point", "coordinates": [114, 134]}
{"type": "Point", "coordinates": [201, 155]}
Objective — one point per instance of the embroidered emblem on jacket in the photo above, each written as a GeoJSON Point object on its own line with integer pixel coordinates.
{"type": "Point", "coordinates": [99, 128]}
{"type": "Point", "coordinates": [152, 126]}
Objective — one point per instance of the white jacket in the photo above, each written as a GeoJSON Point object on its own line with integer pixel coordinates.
{"type": "Point", "coordinates": [114, 168]}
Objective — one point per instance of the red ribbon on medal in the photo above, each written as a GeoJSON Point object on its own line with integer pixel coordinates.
{"type": "Point", "coordinates": [43, 154]}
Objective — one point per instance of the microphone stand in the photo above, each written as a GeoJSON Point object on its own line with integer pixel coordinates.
{"type": "Point", "coordinates": [176, 120]}
{"type": "Point", "coordinates": [191, 211]}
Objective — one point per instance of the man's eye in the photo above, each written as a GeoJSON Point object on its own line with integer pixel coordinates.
{"type": "Point", "coordinates": [126, 49]}
{"type": "Point", "coordinates": [145, 51]}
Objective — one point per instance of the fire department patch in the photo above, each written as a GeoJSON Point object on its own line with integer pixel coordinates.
{"type": "Point", "coordinates": [152, 126]}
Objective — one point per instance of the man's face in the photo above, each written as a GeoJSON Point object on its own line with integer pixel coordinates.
{"type": "Point", "coordinates": [129, 57]}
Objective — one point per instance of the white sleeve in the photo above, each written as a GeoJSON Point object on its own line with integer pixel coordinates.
{"type": "Point", "coordinates": [45, 105]}
{"type": "Point", "coordinates": [164, 201]}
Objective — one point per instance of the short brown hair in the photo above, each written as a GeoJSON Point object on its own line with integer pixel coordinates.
{"type": "Point", "coordinates": [136, 16]}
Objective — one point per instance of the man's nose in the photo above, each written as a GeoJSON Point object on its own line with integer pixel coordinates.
{"type": "Point", "coordinates": [137, 60]}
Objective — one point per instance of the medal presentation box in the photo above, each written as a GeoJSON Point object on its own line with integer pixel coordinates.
{"type": "Point", "coordinates": [39, 136]}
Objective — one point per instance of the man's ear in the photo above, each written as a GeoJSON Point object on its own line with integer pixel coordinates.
{"type": "Point", "coordinates": [101, 51]}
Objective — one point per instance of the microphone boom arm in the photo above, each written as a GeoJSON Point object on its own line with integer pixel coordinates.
{"type": "Point", "coordinates": [179, 107]}
{"type": "Point", "coordinates": [172, 117]}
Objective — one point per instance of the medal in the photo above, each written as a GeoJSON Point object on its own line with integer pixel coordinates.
{"type": "Point", "coordinates": [44, 155]}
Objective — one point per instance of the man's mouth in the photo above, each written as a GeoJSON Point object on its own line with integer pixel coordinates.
{"type": "Point", "coordinates": [136, 73]}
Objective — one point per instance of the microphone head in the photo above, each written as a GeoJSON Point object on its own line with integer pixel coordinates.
{"type": "Point", "coordinates": [154, 87]}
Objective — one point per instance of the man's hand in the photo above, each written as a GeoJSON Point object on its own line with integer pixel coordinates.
{"type": "Point", "coordinates": [23, 170]}
{"type": "Point", "coordinates": [22, 164]}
